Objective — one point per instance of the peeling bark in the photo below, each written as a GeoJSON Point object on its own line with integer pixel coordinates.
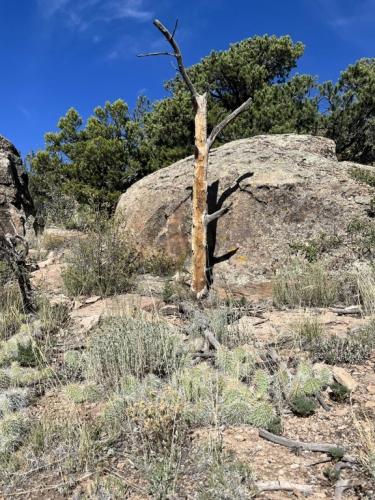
{"type": "Point", "coordinates": [199, 229]}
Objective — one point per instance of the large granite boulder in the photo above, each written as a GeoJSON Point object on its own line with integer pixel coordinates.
{"type": "Point", "coordinates": [283, 189]}
{"type": "Point", "coordinates": [15, 200]}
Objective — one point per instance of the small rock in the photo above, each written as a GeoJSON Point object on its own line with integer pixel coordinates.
{"type": "Point", "coordinates": [344, 378]}
{"type": "Point", "coordinates": [371, 389]}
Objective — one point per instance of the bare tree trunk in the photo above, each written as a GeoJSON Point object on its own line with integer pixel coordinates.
{"type": "Point", "coordinates": [203, 145]}
{"type": "Point", "coordinates": [199, 229]}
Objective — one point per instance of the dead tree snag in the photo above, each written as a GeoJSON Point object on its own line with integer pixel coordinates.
{"type": "Point", "coordinates": [203, 144]}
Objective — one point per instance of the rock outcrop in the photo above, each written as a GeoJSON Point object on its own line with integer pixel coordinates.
{"type": "Point", "coordinates": [15, 205]}
{"type": "Point", "coordinates": [15, 200]}
{"type": "Point", "coordinates": [283, 189]}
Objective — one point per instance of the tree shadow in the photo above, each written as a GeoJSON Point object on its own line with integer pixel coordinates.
{"type": "Point", "coordinates": [213, 205]}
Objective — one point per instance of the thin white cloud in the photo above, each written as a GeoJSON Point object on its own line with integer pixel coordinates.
{"type": "Point", "coordinates": [352, 21]}
{"type": "Point", "coordinates": [82, 13]}
{"type": "Point", "coordinates": [25, 112]}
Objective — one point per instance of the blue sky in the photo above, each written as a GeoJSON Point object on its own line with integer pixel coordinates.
{"type": "Point", "coordinates": [61, 53]}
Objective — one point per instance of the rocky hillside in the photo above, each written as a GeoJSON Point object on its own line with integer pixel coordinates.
{"type": "Point", "coordinates": [285, 190]}
{"type": "Point", "coordinates": [121, 385]}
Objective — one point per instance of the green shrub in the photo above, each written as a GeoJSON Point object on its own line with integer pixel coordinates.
{"type": "Point", "coordinates": [302, 406]}
{"type": "Point", "coordinates": [313, 248]}
{"type": "Point", "coordinates": [74, 363]}
{"type": "Point", "coordinates": [159, 263]}
{"type": "Point", "coordinates": [123, 346]}
{"type": "Point", "coordinates": [301, 283]}
{"type": "Point", "coordinates": [339, 393]}
{"type": "Point", "coordinates": [101, 263]}
{"type": "Point", "coordinates": [354, 349]}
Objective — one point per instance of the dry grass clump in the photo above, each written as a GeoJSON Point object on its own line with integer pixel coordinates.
{"type": "Point", "coordinates": [123, 346]}
{"type": "Point", "coordinates": [365, 429]}
{"type": "Point", "coordinates": [52, 317]}
{"type": "Point", "coordinates": [221, 321]}
{"type": "Point", "coordinates": [72, 441]}
{"type": "Point", "coordinates": [352, 349]}
{"type": "Point", "coordinates": [309, 329]}
{"type": "Point", "coordinates": [6, 274]}
{"type": "Point", "coordinates": [52, 241]}
{"type": "Point", "coordinates": [224, 476]}
{"type": "Point", "coordinates": [100, 264]}
{"type": "Point", "coordinates": [11, 310]}
{"type": "Point", "coordinates": [365, 275]}
{"type": "Point", "coordinates": [302, 283]}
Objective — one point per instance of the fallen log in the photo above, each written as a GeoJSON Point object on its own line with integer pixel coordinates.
{"type": "Point", "coordinates": [301, 446]}
{"type": "Point", "coordinates": [283, 486]}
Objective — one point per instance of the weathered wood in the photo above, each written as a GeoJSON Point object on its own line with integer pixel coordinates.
{"type": "Point", "coordinates": [199, 229]}
{"type": "Point", "coordinates": [211, 217]}
{"type": "Point", "coordinates": [300, 445]}
{"type": "Point", "coordinates": [345, 311]}
{"type": "Point", "coordinates": [177, 54]}
{"type": "Point", "coordinates": [200, 264]}
{"type": "Point", "coordinates": [283, 486]}
{"type": "Point", "coordinates": [227, 120]}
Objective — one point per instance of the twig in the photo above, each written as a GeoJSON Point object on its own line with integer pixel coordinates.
{"type": "Point", "coordinates": [299, 445]}
{"type": "Point", "coordinates": [320, 462]}
{"type": "Point", "coordinates": [203, 355]}
{"type": "Point", "coordinates": [128, 483]}
{"type": "Point", "coordinates": [322, 403]}
{"type": "Point", "coordinates": [260, 322]}
{"type": "Point", "coordinates": [177, 54]}
{"type": "Point", "coordinates": [343, 465]}
{"type": "Point", "coordinates": [47, 488]}
{"type": "Point", "coordinates": [283, 486]}
{"type": "Point", "coordinates": [221, 126]}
